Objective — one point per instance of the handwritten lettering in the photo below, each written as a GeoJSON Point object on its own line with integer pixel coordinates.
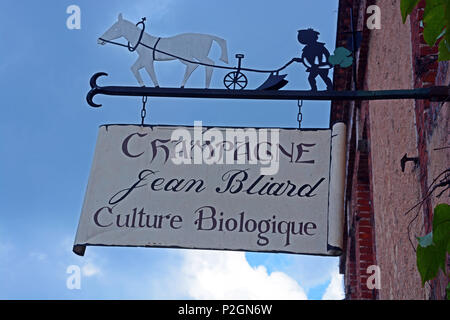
{"type": "Point", "coordinates": [237, 181]}
{"type": "Point", "coordinates": [208, 219]}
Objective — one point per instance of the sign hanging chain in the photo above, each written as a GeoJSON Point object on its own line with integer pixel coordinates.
{"type": "Point", "coordinates": [299, 115]}
{"type": "Point", "coordinates": [143, 111]}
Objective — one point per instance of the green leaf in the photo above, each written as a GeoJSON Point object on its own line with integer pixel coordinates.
{"type": "Point", "coordinates": [441, 225]}
{"type": "Point", "coordinates": [434, 3]}
{"type": "Point", "coordinates": [447, 19]}
{"type": "Point", "coordinates": [406, 7]}
{"type": "Point", "coordinates": [444, 50]}
{"type": "Point", "coordinates": [426, 240]}
{"type": "Point", "coordinates": [342, 57]}
{"type": "Point", "coordinates": [434, 21]}
{"type": "Point", "coordinates": [429, 259]}
{"type": "Point", "coordinates": [448, 291]}
{"type": "Point", "coordinates": [334, 60]}
{"type": "Point", "coordinates": [347, 62]}
{"type": "Point", "coordinates": [441, 230]}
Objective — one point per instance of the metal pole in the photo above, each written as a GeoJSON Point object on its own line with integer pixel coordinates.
{"type": "Point", "coordinates": [353, 30]}
{"type": "Point", "coordinates": [441, 93]}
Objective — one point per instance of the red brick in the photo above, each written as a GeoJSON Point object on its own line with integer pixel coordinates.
{"type": "Point", "coordinates": [365, 236]}
{"type": "Point", "coordinates": [367, 295]}
{"type": "Point", "coordinates": [366, 257]}
{"type": "Point", "coordinates": [430, 77]}
{"type": "Point", "coordinates": [364, 223]}
{"type": "Point", "coordinates": [367, 250]}
{"type": "Point", "coordinates": [362, 187]}
{"type": "Point", "coordinates": [366, 245]}
{"type": "Point", "coordinates": [427, 84]}
{"type": "Point", "coordinates": [426, 50]}
{"type": "Point", "coordinates": [365, 265]}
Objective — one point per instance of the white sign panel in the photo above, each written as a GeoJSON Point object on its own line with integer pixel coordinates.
{"type": "Point", "coordinates": [273, 190]}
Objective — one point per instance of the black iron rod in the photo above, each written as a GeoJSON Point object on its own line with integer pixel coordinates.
{"type": "Point", "coordinates": [354, 65]}
{"type": "Point", "coordinates": [432, 93]}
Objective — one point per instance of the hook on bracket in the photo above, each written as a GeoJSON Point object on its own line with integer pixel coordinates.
{"type": "Point", "coordinates": [406, 159]}
{"type": "Point", "coordinates": [94, 89]}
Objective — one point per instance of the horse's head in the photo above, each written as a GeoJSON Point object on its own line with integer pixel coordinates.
{"type": "Point", "coordinates": [114, 32]}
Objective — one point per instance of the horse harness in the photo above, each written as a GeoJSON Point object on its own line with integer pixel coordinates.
{"type": "Point", "coordinates": [154, 47]}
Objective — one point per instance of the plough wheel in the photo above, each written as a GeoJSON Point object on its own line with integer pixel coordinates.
{"type": "Point", "coordinates": [235, 80]}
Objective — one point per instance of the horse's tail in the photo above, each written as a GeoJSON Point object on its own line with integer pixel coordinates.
{"type": "Point", "coordinates": [223, 45]}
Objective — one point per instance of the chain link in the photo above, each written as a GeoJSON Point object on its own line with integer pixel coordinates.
{"type": "Point", "coordinates": [143, 111]}
{"type": "Point", "coordinates": [299, 115]}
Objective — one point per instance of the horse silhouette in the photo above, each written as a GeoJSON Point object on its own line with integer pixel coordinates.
{"type": "Point", "coordinates": [190, 46]}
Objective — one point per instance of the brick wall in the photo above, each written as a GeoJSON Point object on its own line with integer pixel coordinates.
{"type": "Point", "coordinates": [360, 245]}
{"type": "Point", "coordinates": [361, 251]}
{"type": "Point", "coordinates": [378, 193]}
{"type": "Point", "coordinates": [432, 126]}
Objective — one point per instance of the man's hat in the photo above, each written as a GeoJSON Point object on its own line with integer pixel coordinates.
{"type": "Point", "coordinates": [309, 30]}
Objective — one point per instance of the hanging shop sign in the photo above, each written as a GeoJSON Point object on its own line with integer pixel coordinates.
{"type": "Point", "coordinates": [252, 189]}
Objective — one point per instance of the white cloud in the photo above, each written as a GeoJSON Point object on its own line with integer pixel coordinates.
{"type": "Point", "coordinates": [310, 271]}
{"type": "Point", "coordinates": [90, 264]}
{"type": "Point", "coordinates": [38, 255]}
{"type": "Point", "coordinates": [90, 269]}
{"type": "Point", "coordinates": [154, 10]}
{"type": "Point", "coordinates": [227, 275]}
{"type": "Point", "coordinates": [5, 249]}
{"type": "Point", "coordinates": [335, 290]}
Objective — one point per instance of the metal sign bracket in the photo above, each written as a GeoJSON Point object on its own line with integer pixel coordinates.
{"type": "Point", "coordinates": [437, 93]}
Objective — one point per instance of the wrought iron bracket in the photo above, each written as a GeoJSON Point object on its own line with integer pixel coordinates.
{"type": "Point", "coordinates": [440, 93]}
{"type": "Point", "coordinates": [406, 159]}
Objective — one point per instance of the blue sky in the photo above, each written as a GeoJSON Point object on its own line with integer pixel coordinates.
{"type": "Point", "coordinates": [48, 135]}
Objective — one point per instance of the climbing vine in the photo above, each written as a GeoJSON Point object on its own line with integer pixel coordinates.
{"type": "Point", "coordinates": [436, 19]}
{"type": "Point", "coordinates": [433, 247]}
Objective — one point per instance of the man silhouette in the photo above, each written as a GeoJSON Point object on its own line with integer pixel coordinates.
{"type": "Point", "coordinates": [314, 57]}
